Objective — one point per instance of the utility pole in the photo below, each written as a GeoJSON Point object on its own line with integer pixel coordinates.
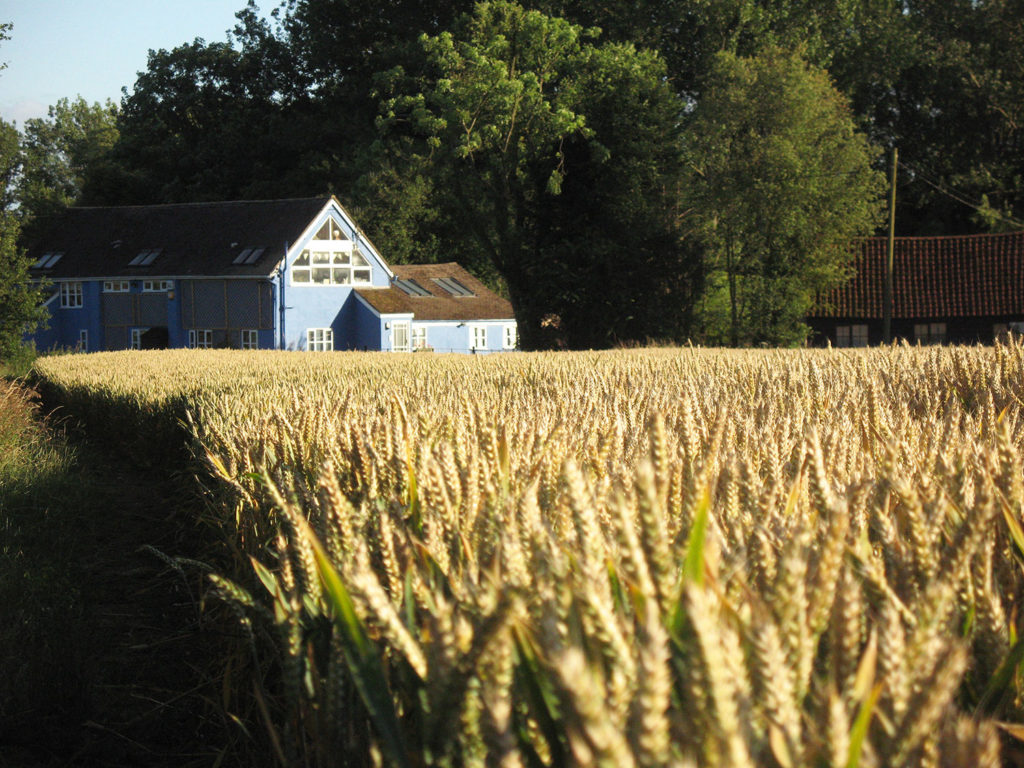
{"type": "Point", "coordinates": [887, 293]}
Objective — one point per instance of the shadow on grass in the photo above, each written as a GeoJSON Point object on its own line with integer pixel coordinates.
{"type": "Point", "coordinates": [106, 657]}
{"type": "Point", "coordinates": [43, 637]}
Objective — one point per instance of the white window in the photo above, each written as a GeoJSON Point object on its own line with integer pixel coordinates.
{"type": "Point", "coordinates": [137, 337]}
{"type": "Point", "coordinates": [116, 286]}
{"type": "Point", "coordinates": [200, 338]}
{"type": "Point", "coordinates": [400, 336]}
{"type": "Point", "coordinates": [930, 333]}
{"type": "Point", "coordinates": [83, 340]}
{"type": "Point", "coordinates": [331, 259]}
{"type": "Point", "coordinates": [419, 337]}
{"type": "Point", "coordinates": [511, 336]}
{"type": "Point", "coordinates": [852, 335]}
{"type": "Point", "coordinates": [320, 340]}
{"type": "Point", "coordinates": [249, 339]}
{"type": "Point", "coordinates": [478, 337]}
{"type": "Point", "coordinates": [70, 295]}
{"type": "Point", "coordinates": [157, 286]}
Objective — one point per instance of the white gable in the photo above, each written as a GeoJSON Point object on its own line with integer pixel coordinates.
{"type": "Point", "coordinates": [339, 226]}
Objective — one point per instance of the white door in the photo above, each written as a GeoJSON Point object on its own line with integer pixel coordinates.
{"type": "Point", "coordinates": [400, 336]}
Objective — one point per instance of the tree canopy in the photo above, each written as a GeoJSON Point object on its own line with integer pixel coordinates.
{"type": "Point", "coordinates": [559, 156]}
{"type": "Point", "coordinates": [782, 186]}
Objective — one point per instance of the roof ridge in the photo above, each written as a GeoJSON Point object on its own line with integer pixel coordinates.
{"type": "Point", "coordinates": [324, 198]}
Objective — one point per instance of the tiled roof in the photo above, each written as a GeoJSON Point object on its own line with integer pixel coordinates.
{"type": "Point", "coordinates": [192, 238]}
{"type": "Point", "coordinates": [973, 275]}
{"type": "Point", "coordinates": [440, 304]}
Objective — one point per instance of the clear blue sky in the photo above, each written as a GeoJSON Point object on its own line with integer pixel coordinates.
{"type": "Point", "coordinates": [93, 48]}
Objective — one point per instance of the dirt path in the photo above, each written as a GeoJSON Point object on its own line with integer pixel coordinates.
{"type": "Point", "coordinates": [147, 655]}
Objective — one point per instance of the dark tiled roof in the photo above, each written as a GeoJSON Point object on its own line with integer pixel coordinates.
{"type": "Point", "coordinates": [973, 275]}
{"type": "Point", "coordinates": [440, 305]}
{"type": "Point", "coordinates": [193, 238]}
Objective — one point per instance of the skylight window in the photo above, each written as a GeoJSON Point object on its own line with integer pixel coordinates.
{"type": "Point", "coordinates": [412, 288]}
{"type": "Point", "coordinates": [453, 286]}
{"type": "Point", "coordinates": [249, 256]}
{"type": "Point", "coordinates": [48, 260]}
{"type": "Point", "coordinates": [145, 258]}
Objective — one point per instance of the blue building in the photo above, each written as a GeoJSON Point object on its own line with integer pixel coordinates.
{"type": "Point", "coordinates": [274, 274]}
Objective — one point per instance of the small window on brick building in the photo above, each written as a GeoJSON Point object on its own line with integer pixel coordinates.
{"type": "Point", "coordinates": [930, 333]}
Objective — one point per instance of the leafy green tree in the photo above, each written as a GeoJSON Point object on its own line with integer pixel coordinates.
{"type": "Point", "coordinates": [60, 151]}
{"type": "Point", "coordinates": [21, 309]}
{"type": "Point", "coordinates": [782, 187]}
{"type": "Point", "coordinates": [535, 136]}
{"type": "Point", "coordinates": [202, 123]}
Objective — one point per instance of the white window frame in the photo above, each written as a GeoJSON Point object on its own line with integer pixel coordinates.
{"type": "Point", "coordinates": [474, 332]}
{"type": "Point", "coordinates": [157, 286]}
{"type": "Point", "coordinates": [418, 337]}
{"type": "Point", "coordinates": [116, 286]}
{"type": "Point", "coordinates": [405, 326]}
{"type": "Point", "coordinates": [510, 336]}
{"type": "Point", "coordinates": [249, 339]}
{"type": "Point", "coordinates": [200, 338]}
{"type": "Point", "coordinates": [336, 261]}
{"type": "Point", "coordinates": [71, 295]}
{"type": "Point", "coordinates": [83, 340]}
{"type": "Point", "coordinates": [137, 337]}
{"type": "Point", "coordinates": [320, 339]}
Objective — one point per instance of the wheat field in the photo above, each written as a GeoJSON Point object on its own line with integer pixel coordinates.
{"type": "Point", "coordinates": [665, 557]}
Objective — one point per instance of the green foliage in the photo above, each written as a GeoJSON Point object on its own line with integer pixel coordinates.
{"type": "Point", "coordinates": [21, 310]}
{"type": "Point", "coordinates": [552, 159]}
{"type": "Point", "coordinates": [782, 186]}
{"type": "Point", "coordinates": [60, 151]}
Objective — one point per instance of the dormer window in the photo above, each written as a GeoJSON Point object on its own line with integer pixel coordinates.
{"type": "Point", "coordinates": [453, 286]}
{"type": "Point", "coordinates": [48, 260]}
{"type": "Point", "coordinates": [249, 256]}
{"type": "Point", "coordinates": [145, 258]}
{"type": "Point", "coordinates": [412, 288]}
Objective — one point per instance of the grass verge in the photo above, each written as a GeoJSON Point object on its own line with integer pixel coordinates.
{"type": "Point", "coordinates": [42, 638]}
{"type": "Point", "coordinates": [106, 655]}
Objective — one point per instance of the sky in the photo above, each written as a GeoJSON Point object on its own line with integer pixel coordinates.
{"type": "Point", "coordinates": [94, 48]}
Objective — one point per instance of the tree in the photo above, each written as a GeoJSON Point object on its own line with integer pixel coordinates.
{"type": "Point", "coordinates": [203, 122]}
{"type": "Point", "coordinates": [782, 187]}
{"type": "Point", "coordinates": [21, 309]}
{"type": "Point", "coordinates": [535, 137]}
{"type": "Point", "coordinates": [60, 151]}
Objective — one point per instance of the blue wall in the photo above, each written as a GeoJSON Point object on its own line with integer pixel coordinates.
{"type": "Point", "coordinates": [65, 324]}
{"type": "Point", "coordinates": [367, 325]}
{"type": "Point", "coordinates": [456, 337]}
{"type": "Point", "coordinates": [330, 306]}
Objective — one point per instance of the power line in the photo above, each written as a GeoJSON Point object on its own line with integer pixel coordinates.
{"type": "Point", "coordinates": [954, 195]}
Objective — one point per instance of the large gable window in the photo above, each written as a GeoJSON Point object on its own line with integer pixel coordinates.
{"type": "Point", "coordinates": [331, 259]}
